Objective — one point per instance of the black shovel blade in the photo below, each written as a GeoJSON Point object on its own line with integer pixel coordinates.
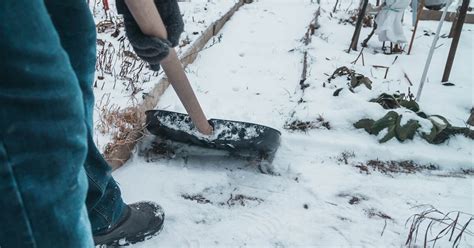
{"type": "Point", "coordinates": [240, 138]}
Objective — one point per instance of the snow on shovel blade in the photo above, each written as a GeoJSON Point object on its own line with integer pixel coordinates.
{"type": "Point", "coordinates": [239, 138]}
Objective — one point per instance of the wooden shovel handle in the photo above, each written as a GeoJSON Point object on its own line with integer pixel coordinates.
{"type": "Point", "coordinates": [175, 72]}
{"type": "Point", "coordinates": [149, 20]}
{"type": "Point", "coordinates": [177, 77]}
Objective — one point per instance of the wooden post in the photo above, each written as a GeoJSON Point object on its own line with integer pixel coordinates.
{"type": "Point", "coordinates": [355, 36]}
{"type": "Point", "coordinates": [453, 26]}
{"type": "Point", "coordinates": [420, 9]}
{"type": "Point", "coordinates": [470, 121]}
{"type": "Point", "coordinates": [455, 42]}
{"type": "Point", "coordinates": [106, 4]}
{"type": "Point", "coordinates": [335, 6]}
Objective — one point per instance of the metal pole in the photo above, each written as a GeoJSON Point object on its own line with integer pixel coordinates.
{"type": "Point", "coordinates": [414, 9]}
{"type": "Point", "coordinates": [430, 54]}
{"type": "Point", "coordinates": [454, 44]}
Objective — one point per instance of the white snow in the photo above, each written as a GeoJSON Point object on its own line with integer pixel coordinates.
{"type": "Point", "coordinates": [222, 131]}
{"type": "Point", "coordinates": [253, 75]}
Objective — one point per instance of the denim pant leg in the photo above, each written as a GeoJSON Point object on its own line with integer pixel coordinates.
{"type": "Point", "coordinates": [76, 28]}
{"type": "Point", "coordinates": [43, 145]}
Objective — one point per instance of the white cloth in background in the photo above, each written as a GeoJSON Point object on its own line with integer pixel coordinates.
{"type": "Point", "coordinates": [389, 21]}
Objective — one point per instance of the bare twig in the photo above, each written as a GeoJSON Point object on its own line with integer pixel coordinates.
{"type": "Point", "coordinates": [407, 78]}
{"type": "Point", "coordinates": [437, 218]}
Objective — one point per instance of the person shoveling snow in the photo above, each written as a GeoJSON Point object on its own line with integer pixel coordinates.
{"type": "Point", "coordinates": [57, 190]}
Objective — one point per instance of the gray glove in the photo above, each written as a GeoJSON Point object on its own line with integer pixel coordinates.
{"type": "Point", "coordinates": [153, 49]}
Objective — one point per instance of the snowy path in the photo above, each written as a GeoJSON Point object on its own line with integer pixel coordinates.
{"type": "Point", "coordinates": [319, 200]}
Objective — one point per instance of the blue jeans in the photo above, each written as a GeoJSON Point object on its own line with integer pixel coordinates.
{"type": "Point", "coordinates": [55, 187]}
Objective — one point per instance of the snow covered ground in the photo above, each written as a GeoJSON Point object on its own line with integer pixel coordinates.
{"type": "Point", "coordinates": [323, 197]}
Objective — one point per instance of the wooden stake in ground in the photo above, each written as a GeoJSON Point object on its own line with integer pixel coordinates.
{"type": "Point", "coordinates": [453, 26]}
{"type": "Point", "coordinates": [470, 121]}
{"type": "Point", "coordinates": [361, 55]}
{"type": "Point", "coordinates": [454, 44]}
{"type": "Point", "coordinates": [355, 36]}
{"type": "Point", "coordinates": [431, 52]}
{"type": "Point", "coordinates": [420, 9]}
{"type": "Point", "coordinates": [335, 6]}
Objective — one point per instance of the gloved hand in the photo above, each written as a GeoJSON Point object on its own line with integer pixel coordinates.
{"type": "Point", "coordinates": [153, 49]}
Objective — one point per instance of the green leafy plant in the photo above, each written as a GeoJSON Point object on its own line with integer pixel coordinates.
{"type": "Point", "coordinates": [394, 101]}
{"type": "Point", "coordinates": [439, 133]}
{"type": "Point", "coordinates": [354, 79]}
{"type": "Point", "coordinates": [392, 122]}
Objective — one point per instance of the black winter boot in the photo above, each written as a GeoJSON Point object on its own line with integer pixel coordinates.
{"type": "Point", "coordinates": [141, 221]}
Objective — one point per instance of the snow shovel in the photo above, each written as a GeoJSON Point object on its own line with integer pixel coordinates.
{"type": "Point", "coordinates": [234, 138]}
{"type": "Point", "coordinates": [254, 141]}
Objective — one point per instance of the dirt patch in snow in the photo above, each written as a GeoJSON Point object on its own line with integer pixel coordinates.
{"type": "Point", "coordinates": [394, 167]}
{"type": "Point", "coordinates": [353, 199]}
{"type": "Point", "coordinates": [377, 214]}
{"type": "Point", "coordinates": [304, 126]}
{"type": "Point", "coordinates": [233, 200]}
{"type": "Point", "coordinates": [345, 157]}
{"type": "Point", "coordinates": [197, 198]}
{"type": "Point", "coordinates": [158, 150]}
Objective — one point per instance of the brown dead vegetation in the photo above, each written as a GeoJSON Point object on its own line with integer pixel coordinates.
{"type": "Point", "coordinates": [374, 213]}
{"type": "Point", "coordinates": [432, 225]}
{"type": "Point", "coordinates": [120, 124]}
{"type": "Point", "coordinates": [234, 200]}
{"type": "Point", "coordinates": [393, 167]}
{"type": "Point", "coordinates": [197, 198]}
{"type": "Point", "coordinates": [353, 199]}
{"type": "Point", "coordinates": [367, 21]}
{"type": "Point", "coordinates": [304, 126]}
{"type": "Point", "coordinates": [345, 157]}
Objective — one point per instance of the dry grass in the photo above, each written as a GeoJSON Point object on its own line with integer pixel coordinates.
{"type": "Point", "coordinates": [304, 126]}
{"type": "Point", "coordinates": [353, 199]}
{"type": "Point", "coordinates": [242, 200]}
{"type": "Point", "coordinates": [373, 213]}
{"type": "Point", "coordinates": [367, 21]}
{"type": "Point", "coordinates": [197, 198]}
{"type": "Point", "coordinates": [435, 225]}
{"type": "Point", "coordinates": [393, 167]}
{"type": "Point", "coordinates": [345, 157]}
{"type": "Point", "coordinates": [120, 124]}
{"type": "Point", "coordinates": [234, 200]}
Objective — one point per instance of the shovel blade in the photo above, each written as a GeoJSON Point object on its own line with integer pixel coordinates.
{"type": "Point", "coordinates": [237, 138]}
